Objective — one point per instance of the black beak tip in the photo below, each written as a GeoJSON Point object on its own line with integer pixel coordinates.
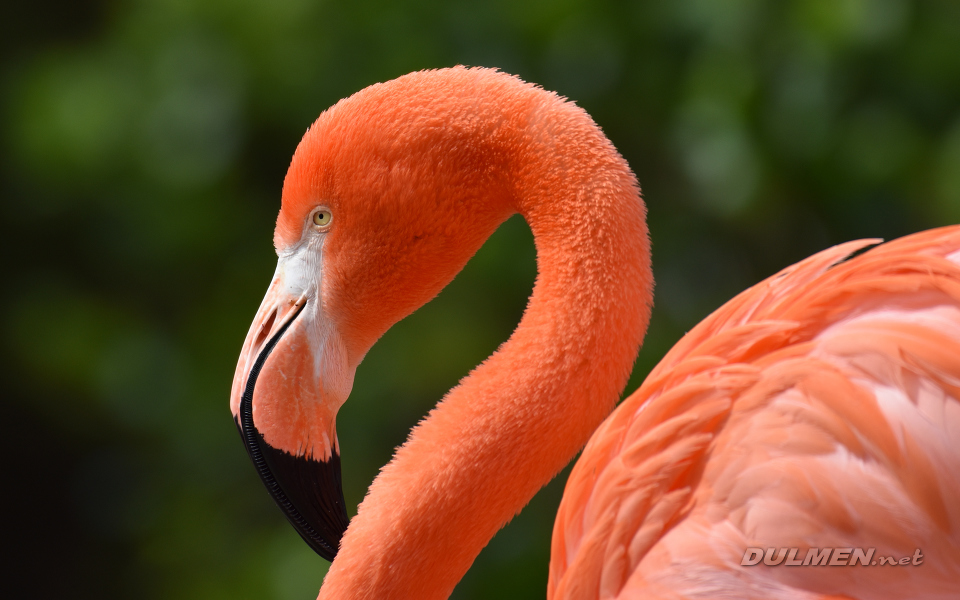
{"type": "Point", "coordinates": [309, 492]}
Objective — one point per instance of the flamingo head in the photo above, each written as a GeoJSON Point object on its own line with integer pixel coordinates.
{"type": "Point", "coordinates": [388, 195]}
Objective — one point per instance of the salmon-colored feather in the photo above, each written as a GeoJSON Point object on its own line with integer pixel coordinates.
{"type": "Point", "coordinates": [818, 408]}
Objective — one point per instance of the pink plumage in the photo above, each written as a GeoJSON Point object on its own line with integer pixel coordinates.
{"type": "Point", "coordinates": [818, 409]}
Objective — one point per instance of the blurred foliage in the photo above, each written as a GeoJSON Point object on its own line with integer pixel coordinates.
{"type": "Point", "coordinates": [144, 144]}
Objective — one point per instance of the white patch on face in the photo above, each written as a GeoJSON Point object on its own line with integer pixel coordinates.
{"type": "Point", "coordinates": [299, 271]}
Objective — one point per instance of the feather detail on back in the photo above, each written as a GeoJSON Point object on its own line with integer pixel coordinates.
{"type": "Point", "coordinates": [820, 408]}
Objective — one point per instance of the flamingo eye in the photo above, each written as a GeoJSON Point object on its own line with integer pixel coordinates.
{"type": "Point", "coordinates": [322, 217]}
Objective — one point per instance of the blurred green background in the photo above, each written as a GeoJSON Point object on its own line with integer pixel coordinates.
{"type": "Point", "coordinates": [144, 144]}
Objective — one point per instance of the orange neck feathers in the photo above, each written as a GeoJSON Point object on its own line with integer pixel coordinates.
{"type": "Point", "coordinates": [463, 149]}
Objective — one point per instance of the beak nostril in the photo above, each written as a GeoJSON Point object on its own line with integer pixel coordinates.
{"type": "Point", "coordinates": [265, 329]}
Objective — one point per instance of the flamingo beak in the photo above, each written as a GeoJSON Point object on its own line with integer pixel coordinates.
{"type": "Point", "coordinates": [290, 382]}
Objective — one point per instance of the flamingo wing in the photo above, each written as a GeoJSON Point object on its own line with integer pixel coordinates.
{"type": "Point", "coordinates": [820, 408]}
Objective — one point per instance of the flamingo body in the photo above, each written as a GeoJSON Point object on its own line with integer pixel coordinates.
{"type": "Point", "coordinates": [819, 408]}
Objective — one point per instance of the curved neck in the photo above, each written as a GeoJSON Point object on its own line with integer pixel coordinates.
{"type": "Point", "coordinates": [518, 418]}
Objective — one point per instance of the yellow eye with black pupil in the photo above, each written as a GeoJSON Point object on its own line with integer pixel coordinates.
{"type": "Point", "coordinates": [322, 217]}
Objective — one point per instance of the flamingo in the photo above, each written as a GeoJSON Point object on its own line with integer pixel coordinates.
{"type": "Point", "coordinates": [817, 409]}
